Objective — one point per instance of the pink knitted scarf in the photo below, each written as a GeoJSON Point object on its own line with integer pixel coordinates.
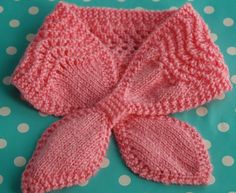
{"type": "Point", "coordinates": [120, 71]}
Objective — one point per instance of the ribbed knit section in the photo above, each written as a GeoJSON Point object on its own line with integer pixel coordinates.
{"type": "Point", "coordinates": [122, 70]}
{"type": "Point", "coordinates": [115, 107]}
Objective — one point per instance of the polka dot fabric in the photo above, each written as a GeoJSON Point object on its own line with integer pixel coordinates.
{"type": "Point", "coordinates": [21, 125]}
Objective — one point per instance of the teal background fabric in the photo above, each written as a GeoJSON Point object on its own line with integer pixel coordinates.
{"type": "Point", "coordinates": [21, 125]}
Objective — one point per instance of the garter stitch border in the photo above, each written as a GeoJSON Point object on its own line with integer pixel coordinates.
{"type": "Point", "coordinates": [113, 92]}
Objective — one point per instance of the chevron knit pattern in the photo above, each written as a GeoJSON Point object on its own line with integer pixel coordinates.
{"type": "Point", "coordinates": [122, 71]}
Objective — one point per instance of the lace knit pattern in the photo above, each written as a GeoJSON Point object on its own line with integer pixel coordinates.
{"type": "Point", "coordinates": [123, 71]}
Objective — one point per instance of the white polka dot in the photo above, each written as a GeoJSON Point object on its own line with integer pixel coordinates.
{"type": "Point", "coordinates": [124, 180]}
{"type": "Point", "coordinates": [233, 79]}
{"type": "Point", "coordinates": [23, 127]}
{"type": "Point", "coordinates": [105, 163]}
{"type": "Point", "coordinates": [221, 97]}
{"type": "Point", "coordinates": [33, 10]}
{"type": "Point", "coordinates": [138, 8]}
{"type": "Point", "coordinates": [207, 143]}
{"type": "Point", "coordinates": [173, 8]}
{"type": "Point", "coordinates": [11, 50]}
{"type": "Point", "coordinates": [42, 114]}
{"type": "Point", "coordinates": [1, 179]}
{"type": "Point", "coordinates": [3, 143]}
{"type": "Point", "coordinates": [121, 0]}
{"type": "Point", "coordinates": [1, 9]}
{"type": "Point", "coordinates": [19, 161]}
{"type": "Point", "coordinates": [86, 0]}
{"type": "Point", "coordinates": [209, 9]}
{"type": "Point", "coordinates": [228, 22]}
{"type": "Point", "coordinates": [231, 50]}
{"type": "Point", "coordinates": [201, 111]}
{"type": "Point", "coordinates": [6, 80]}
{"type": "Point", "coordinates": [14, 23]}
{"type": "Point", "coordinates": [5, 111]}
{"type": "Point", "coordinates": [156, 0]}
{"type": "Point", "coordinates": [30, 37]}
{"type": "Point", "coordinates": [212, 180]}
{"type": "Point", "coordinates": [223, 127]}
{"type": "Point", "coordinates": [228, 160]}
{"type": "Point", "coordinates": [232, 192]}
{"type": "Point", "coordinates": [83, 183]}
{"type": "Point", "coordinates": [213, 37]}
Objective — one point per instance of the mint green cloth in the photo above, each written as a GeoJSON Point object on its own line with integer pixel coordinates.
{"type": "Point", "coordinates": [21, 125]}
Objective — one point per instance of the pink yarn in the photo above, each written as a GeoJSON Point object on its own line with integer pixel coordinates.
{"type": "Point", "coordinates": [123, 71]}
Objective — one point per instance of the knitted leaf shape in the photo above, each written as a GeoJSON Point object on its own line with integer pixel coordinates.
{"type": "Point", "coordinates": [176, 62]}
{"type": "Point", "coordinates": [163, 149]}
{"type": "Point", "coordinates": [71, 159]}
{"type": "Point", "coordinates": [123, 71]}
{"type": "Point", "coordinates": [63, 67]}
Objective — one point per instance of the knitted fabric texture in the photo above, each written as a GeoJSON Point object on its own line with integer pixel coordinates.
{"type": "Point", "coordinates": [122, 71]}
